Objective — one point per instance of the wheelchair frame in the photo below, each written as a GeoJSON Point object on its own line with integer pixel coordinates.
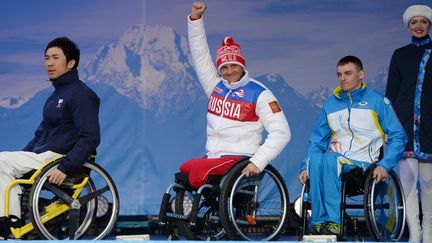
{"type": "Point", "coordinates": [228, 181]}
{"type": "Point", "coordinates": [65, 202]}
{"type": "Point", "coordinates": [368, 190]}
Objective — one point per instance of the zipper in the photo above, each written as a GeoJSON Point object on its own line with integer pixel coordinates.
{"type": "Point", "coordinates": [349, 122]}
{"type": "Point", "coordinates": [223, 102]}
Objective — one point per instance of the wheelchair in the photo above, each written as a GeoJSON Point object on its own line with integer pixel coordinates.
{"type": "Point", "coordinates": [230, 206]}
{"type": "Point", "coordinates": [85, 206]}
{"type": "Point", "coordinates": [380, 205]}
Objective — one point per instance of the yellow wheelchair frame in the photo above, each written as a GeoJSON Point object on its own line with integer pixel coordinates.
{"type": "Point", "coordinates": [53, 210]}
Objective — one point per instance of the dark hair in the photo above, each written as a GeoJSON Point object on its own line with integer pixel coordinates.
{"type": "Point", "coordinates": [351, 59]}
{"type": "Point", "coordinates": [69, 48]}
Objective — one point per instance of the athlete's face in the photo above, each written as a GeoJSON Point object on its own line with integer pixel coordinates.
{"type": "Point", "coordinates": [419, 26]}
{"type": "Point", "coordinates": [231, 72]}
{"type": "Point", "coordinates": [55, 63]}
{"type": "Point", "coordinates": [350, 77]}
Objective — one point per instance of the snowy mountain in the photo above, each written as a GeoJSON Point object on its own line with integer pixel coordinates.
{"type": "Point", "coordinates": [149, 65]}
{"type": "Point", "coordinates": [12, 102]}
{"type": "Point", "coordinates": [320, 95]}
{"type": "Point", "coordinates": [153, 115]}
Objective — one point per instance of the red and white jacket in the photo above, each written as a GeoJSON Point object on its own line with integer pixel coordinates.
{"type": "Point", "coordinates": [237, 112]}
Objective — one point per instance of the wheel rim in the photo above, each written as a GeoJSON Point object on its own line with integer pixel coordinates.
{"type": "Point", "coordinates": [263, 186]}
{"type": "Point", "coordinates": [85, 223]}
{"type": "Point", "coordinates": [98, 179]}
{"type": "Point", "coordinates": [387, 210]}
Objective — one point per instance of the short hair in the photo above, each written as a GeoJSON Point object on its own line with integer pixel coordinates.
{"type": "Point", "coordinates": [69, 48]}
{"type": "Point", "coordinates": [351, 59]}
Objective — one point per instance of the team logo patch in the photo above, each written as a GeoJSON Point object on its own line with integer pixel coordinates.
{"type": "Point", "coordinates": [363, 103]}
{"type": "Point", "coordinates": [387, 101]}
{"type": "Point", "coordinates": [217, 90]}
{"type": "Point", "coordinates": [239, 93]}
{"type": "Point", "coordinates": [274, 106]}
{"type": "Point", "coordinates": [59, 103]}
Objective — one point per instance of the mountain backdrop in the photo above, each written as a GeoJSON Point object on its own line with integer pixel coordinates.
{"type": "Point", "coordinates": [153, 114]}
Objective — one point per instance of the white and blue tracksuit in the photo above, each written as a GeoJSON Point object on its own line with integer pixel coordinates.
{"type": "Point", "coordinates": [349, 133]}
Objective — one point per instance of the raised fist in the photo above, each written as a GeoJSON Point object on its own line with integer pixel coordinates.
{"type": "Point", "coordinates": [198, 9]}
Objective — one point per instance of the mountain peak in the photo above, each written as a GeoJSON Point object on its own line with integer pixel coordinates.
{"type": "Point", "coordinates": [274, 77]}
{"type": "Point", "coordinates": [12, 102]}
{"type": "Point", "coordinates": [149, 64]}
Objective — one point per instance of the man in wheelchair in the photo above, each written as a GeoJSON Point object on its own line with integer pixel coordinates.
{"type": "Point", "coordinates": [353, 125]}
{"type": "Point", "coordinates": [239, 108]}
{"type": "Point", "coordinates": [70, 127]}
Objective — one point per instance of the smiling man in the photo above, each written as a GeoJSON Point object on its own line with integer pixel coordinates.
{"type": "Point", "coordinates": [353, 125]}
{"type": "Point", "coordinates": [70, 127]}
{"type": "Point", "coordinates": [239, 109]}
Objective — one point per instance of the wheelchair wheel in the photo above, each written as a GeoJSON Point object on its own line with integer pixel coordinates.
{"type": "Point", "coordinates": [255, 207]}
{"type": "Point", "coordinates": [207, 226]}
{"type": "Point", "coordinates": [84, 207]}
{"type": "Point", "coordinates": [385, 208]}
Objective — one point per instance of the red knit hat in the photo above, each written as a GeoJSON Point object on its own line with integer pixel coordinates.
{"type": "Point", "coordinates": [229, 52]}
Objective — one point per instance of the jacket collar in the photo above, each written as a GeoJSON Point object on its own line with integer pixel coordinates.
{"type": "Point", "coordinates": [340, 94]}
{"type": "Point", "coordinates": [242, 82]}
{"type": "Point", "coordinates": [421, 41]}
{"type": "Point", "coordinates": [65, 79]}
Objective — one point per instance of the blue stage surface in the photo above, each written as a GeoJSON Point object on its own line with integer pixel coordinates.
{"type": "Point", "coordinates": [159, 240]}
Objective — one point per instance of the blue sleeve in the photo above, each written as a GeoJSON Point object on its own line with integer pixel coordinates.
{"type": "Point", "coordinates": [85, 113]}
{"type": "Point", "coordinates": [396, 137]}
{"type": "Point", "coordinates": [319, 139]}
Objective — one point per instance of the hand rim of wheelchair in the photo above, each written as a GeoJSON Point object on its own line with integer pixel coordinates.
{"type": "Point", "coordinates": [370, 207]}
{"type": "Point", "coordinates": [281, 187]}
{"type": "Point", "coordinates": [90, 215]}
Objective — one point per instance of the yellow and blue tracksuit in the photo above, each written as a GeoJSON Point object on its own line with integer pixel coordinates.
{"type": "Point", "coordinates": [349, 132]}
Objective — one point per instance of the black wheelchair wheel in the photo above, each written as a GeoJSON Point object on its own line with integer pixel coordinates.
{"type": "Point", "coordinates": [207, 225]}
{"type": "Point", "coordinates": [66, 212]}
{"type": "Point", "coordinates": [255, 207]}
{"type": "Point", "coordinates": [384, 205]}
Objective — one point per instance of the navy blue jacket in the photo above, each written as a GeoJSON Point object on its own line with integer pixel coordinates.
{"type": "Point", "coordinates": [401, 85]}
{"type": "Point", "coordinates": [70, 124]}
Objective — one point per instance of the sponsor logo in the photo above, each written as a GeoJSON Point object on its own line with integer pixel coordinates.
{"type": "Point", "coordinates": [218, 90]}
{"type": "Point", "coordinates": [274, 106]}
{"type": "Point", "coordinates": [59, 103]}
{"type": "Point", "coordinates": [363, 103]}
{"type": "Point", "coordinates": [239, 93]}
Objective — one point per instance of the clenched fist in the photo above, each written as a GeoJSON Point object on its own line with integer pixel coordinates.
{"type": "Point", "coordinates": [198, 9]}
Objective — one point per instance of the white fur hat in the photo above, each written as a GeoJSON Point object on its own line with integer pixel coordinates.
{"type": "Point", "coordinates": [417, 10]}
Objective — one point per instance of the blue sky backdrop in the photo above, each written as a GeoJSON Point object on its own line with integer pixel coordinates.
{"type": "Point", "coordinates": [302, 40]}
